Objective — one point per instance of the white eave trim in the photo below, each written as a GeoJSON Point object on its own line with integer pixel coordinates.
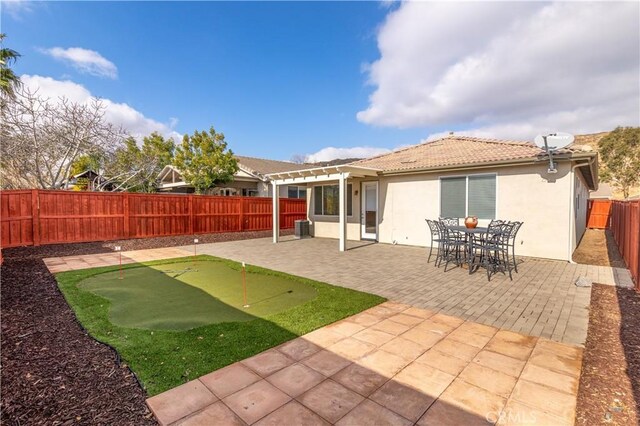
{"type": "Point", "coordinates": [321, 174]}
{"type": "Point", "coordinates": [165, 170]}
{"type": "Point", "coordinates": [173, 185]}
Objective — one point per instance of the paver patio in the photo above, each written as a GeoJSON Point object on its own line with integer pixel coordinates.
{"type": "Point", "coordinates": [392, 364]}
{"type": "Point", "coordinates": [542, 299]}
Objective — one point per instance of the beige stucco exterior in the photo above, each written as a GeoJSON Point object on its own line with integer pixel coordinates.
{"type": "Point", "coordinates": [525, 193]}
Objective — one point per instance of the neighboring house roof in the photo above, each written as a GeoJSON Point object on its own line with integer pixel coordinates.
{"type": "Point", "coordinates": [262, 166]}
{"type": "Point", "coordinates": [604, 191]}
{"type": "Point", "coordinates": [256, 167]}
{"type": "Point", "coordinates": [336, 162]}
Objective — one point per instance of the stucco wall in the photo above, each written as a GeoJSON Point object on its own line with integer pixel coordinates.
{"type": "Point", "coordinates": [328, 226]}
{"type": "Point", "coordinates": [580, 196]}
{"type": "Point", "coordinates": [525, 193]}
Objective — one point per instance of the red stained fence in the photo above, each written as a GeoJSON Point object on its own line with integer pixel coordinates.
{"type": "Point", "coordinates": [598, 212]}
{"type": "Point", "coordinates": [625, 226]}
{"type": "Point", "coordinates": [34, 217]}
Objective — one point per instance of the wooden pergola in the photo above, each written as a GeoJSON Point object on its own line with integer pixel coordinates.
{"type": "Point", "coordinates": [317, 175]}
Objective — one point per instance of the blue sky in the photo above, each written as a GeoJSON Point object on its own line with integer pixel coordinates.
{"type": "Point", "coordinates": [296, 77]}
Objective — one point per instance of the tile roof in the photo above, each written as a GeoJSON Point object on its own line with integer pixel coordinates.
{"type": "Point", "coordinates": [263, 166]}
{"type": "Point", "coordinates": [452, 151]}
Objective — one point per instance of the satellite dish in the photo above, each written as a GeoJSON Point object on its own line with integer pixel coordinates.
{"type": "Point", "coordinates": [552, 142]}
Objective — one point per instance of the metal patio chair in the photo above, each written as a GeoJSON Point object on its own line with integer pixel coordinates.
{"type": "Point", "coordinates": [455, 246]}
{"type": "Point", "coordinates": [436, 237]}
{"type": "Point", "coordinates": [511, 243]}
{"type": "Point", "coordinates": [494, 250]}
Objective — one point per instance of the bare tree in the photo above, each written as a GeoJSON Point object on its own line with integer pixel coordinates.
{"type": "Point", "coordinates": [298, 158]}
{"type": "Point", "coordinates": [41, 138]}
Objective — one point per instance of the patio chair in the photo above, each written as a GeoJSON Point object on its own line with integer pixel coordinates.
{"type": "Point", "coordinates": [450, 221]}
{"type": "Point", "coordinates": [455, 246]}
{"type": "Point", "coordinates": [494, 250]}
{"type": "Point", "coordinates": [511, 243]}
{"type": "Point", "coordinates": [437, 237]}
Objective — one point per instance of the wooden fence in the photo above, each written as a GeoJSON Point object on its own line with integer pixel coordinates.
{"type": "Point", "coordinates": [34, 217]}
{"type": "Point", "coordinates": [598, 212]}
{"type": "Point", "coordinates": [625, 226]}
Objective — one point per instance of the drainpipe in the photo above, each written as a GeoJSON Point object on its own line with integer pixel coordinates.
{"type": "Point", "coordinates": [572, 216]}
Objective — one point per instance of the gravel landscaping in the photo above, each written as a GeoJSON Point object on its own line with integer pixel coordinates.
{"type": "Point", "coordinates": [610, 382]}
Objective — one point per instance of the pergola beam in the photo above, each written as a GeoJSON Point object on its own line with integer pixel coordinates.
{"type": "Point", "coordinates": [342, 191]}
{"type": "Point", "coordinates": [276, 212]}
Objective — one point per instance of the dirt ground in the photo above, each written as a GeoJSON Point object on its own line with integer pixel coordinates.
{"type": "Point", "coordinates": [609, 390]}
{"type": "Point", "coordinates": [53, 372]}
{"type": "Point", "coordinates": [598, 247]}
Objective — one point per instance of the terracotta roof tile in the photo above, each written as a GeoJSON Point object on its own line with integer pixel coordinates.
{"type": "Point", "coordinates": [452, 151]}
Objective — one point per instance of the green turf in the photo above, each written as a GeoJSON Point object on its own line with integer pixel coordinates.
{"type": "Point", "coordinates": [185, 295]}
{"type": "Point", "coordinates": [163, 359]}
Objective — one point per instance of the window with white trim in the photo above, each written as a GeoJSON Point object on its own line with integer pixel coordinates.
{"type": "Point", "coordinates": [326, 200]}
{"type": "Point", "coordinates": [463, 196]}
{"type": "Point", "coordinates": [297, 191]}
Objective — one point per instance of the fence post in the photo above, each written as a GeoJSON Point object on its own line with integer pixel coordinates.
{"type": "Point", "coordinates": [191, 215]}
{"type": "Point", "coordinates": [35, 216]}
{"type": "Point", "coordinates": [126, 228]}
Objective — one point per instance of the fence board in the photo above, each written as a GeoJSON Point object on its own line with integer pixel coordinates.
{"type": "Point", "coordinates": [16, 218]}
{"type": "Point", "coordinates": [625, 226]}
{"type": "Point", "coordinates": [598, 212]}
{"type": "Point", "coordinates": [47, 217]}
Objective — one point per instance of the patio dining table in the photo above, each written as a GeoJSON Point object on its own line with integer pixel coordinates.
{"type": "Point", "coordinates": [470, 234]}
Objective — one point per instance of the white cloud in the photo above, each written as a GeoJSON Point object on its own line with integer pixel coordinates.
{"type": "Point", "coordinates": [331, 153]}
{"type": "Point", "coordinates": [84, 60]}
{"type": "Point", "coordinates": [17, 8]}
{"type": "Point", "coordinates": [508, 69]}
{"type": "Point", "coordinates": [119, 114]}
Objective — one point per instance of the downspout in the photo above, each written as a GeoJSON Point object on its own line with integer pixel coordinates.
{"type": "Point", "coordinates": [572, 209]}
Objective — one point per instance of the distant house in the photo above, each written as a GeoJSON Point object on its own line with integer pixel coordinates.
{"type": "Point", "coordinates": [387, 198]}
{"type": "Point", "coordinates": [250, 181]}
{"type": "Point", "coordinates": [88, 180]}
{"type": "Point", "coordinates": [604, 192]}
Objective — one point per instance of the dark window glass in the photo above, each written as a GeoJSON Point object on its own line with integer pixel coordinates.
{"type": "Point", "coordinates": [452, 197]}
{"type": "Point", "coordinates": [326, 200]}
{"type": "Point", "coordinates": [482, 196]}
{"type": "Point", "coordinates": [317, 200]}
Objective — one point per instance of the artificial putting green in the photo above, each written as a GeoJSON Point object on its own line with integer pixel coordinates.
{"type": "Point", "coordinates": [165, 358]}
{"type": "Point", "coordinates": [184, 295]}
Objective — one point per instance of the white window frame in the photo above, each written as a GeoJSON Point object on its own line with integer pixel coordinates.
{"type": "Point", "coordinates": [313, 207]}
{"type": "Point", "coordinates": [466, 192]}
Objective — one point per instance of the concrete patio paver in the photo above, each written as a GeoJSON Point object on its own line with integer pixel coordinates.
{"type": "Point", "coordinates": [542, 299]}
{"type": "Point", "coordinates": [536, 386]}
{"type": "Point", "coordinates": [85, 261]}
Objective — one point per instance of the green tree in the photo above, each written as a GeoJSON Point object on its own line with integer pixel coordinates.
{"type": "Point", "coordinates": [85, 162]}
{"type": "Point", "coordinates": [136, 169]}
{"type": "Point", "coordinates": [159, 150]}
{"type": "Point", "coordinates": [204, 160]}
{"type": "Point", "coordinates": [8, 79]}
{"type": "Point", "coordinates": [620, 153]}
